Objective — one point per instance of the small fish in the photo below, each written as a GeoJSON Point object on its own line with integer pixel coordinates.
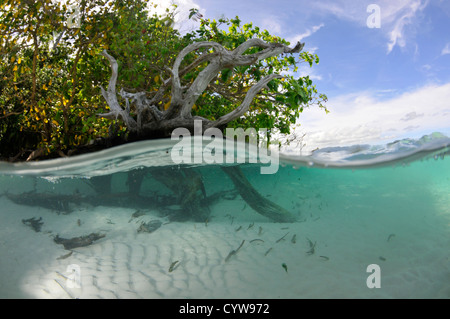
{"type": "Point", "coordinates": [149, 227]}
{"type": "Point", "coordinates": [312, 247]}
{"type": "Point", "coordinates": [256, 240]}
{"type": "Point", "coordinates": [259, 231]}
{"type": "Point", "coordinates": [324, 257]}
{"type": "Point", "coordinates": [382, 258]}
{"type": "Point", "coordinates": [79, 222]}
{"type": "Point", "coordinates": [173, 266]}
{"type": "Point", "coordinates": [250, 226]}
{"type": "Point", "coordinates": [65, 256]}
{"type": "Point", "coordinates": [390, 237]}
{"type": "Point", "coordinates": [239, 228]}
{"type": "Point", "coordinates": [284, 266]}
{"type": "Point", "coordinates": [294, 240]}
{"type": "Point", "coordinates": [268, 251]}
{"type": "Point", "coordinates": [282, 238]}
{"type": "Point", "coordinates": [234, 252]}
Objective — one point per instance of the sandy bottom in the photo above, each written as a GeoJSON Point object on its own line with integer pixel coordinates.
{"type": "Point", "coordinates": [413, 256]}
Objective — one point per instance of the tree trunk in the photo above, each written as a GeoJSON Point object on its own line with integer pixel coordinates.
{"type": "Point", "coordinates": [134, 181]}
{"type": "Point", "coordinates": [185, 183]}
{"type": "Point", "coordinates": [149, 120]}
{"type": "Point", "coordinates": [101, 184]}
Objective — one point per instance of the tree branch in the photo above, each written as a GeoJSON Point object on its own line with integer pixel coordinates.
{"type": "Point", "coordinates": [255, 42]}
{"type": "Point", "coordinates": [245, 105]}
{"type": "Point", "coordinates": [223, 59]}
{"type": "Point", "coordinates": [10, 114]}
{"type": "Point", "coordinates": [183, 97]}
{"type": "Point", "coordinates": [142, 104]}
{"type": "Point", "coordinates": [110, 96]}
{"type": "Point", "coordinates": [176, 85]}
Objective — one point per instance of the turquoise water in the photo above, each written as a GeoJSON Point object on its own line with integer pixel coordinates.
{"type": "Point", "coordinates": [387, 206]}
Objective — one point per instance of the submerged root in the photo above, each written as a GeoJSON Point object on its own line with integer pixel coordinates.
{"type": "Point", "coordinates": [259, 203]}
{"type": "Point", "coordinates": [81, 241]}
{"type": "Point", "coordinates": [34, 223]}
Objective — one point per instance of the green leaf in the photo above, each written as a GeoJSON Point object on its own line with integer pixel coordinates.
{"type": "Point", "coordinates": [226, 73]}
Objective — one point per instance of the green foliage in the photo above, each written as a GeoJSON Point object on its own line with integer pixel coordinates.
{"type": "Point", "coordinates": [49, 94]}
{"type": "Point", "coordinates": [278, 107]}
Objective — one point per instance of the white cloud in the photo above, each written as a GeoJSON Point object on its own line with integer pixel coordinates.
{"type": "Point", "coordinates": [396, 16]}
{"type": "Point", "coordinates": [342, 9]}
{"type": "Point", "coordinates": [446, 49]}
{"type": "Point", "coordinates": [305, 70]}
{"type": "Point", "coordinates": [407, 14]}
{"type": "Point", "coordinates": [362, 118]}
{"type": "Point", "coordinates": [411, 116]}
{"type": "Point", "coordinates": [272, 24]}
{"type": "Point", "coordinates": [396, 36]}
{"type": "Point", "coordinates": [312, 50]}
{"type": "Point", "coordinates": [182, 21]}
{"type": "Point", "coordinates": [307, 33]}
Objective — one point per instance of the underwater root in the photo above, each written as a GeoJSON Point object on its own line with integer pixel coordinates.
{"type": "Point", "coordinates": [259, 203]}
{"type": "Point", "coordinates": [81, 241]}
{"type": "Point", "coordinates": [187, 186]}
{"type": "Point", "coordinates": [34, 223]}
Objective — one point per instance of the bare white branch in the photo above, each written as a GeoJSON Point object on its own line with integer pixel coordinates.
{"type": "Point", "coordinates": [183, 98]}
{"type": "Point", "coordinates": [245, 105]}
{"type": "Point", "coordinates": [223, 59]}
{"type": "Point", "coordinates": [110, 96]}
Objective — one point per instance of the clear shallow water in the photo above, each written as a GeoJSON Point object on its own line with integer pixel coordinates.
{"type": "Point", "coordinates": [353, 207]}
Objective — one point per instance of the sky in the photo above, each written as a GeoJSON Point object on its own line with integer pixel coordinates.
{"type": "Point", "coordinates": [384, 65]}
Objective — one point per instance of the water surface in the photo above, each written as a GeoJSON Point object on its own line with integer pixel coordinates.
{"type": "Point", "coordinates": [353, 207]}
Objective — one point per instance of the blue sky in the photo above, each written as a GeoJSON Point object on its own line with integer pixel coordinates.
{"type": "Point", "coordinates": [383, 83]}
